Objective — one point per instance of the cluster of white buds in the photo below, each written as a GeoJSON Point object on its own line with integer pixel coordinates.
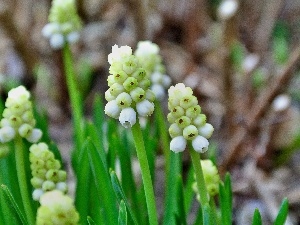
{"type": "Point", "coordinates": [128, 94]}
{"type": "Point", "coordinates": [187, 122]}
{"type": "Point", "coordinates": [211, 178]}
{"type": "Point", "coordinates": [18, 117]}
{"type": "Point", "coordinates": [56, 209]}
{"type": "Point", "coordinates": [46, 172]}
{"type": "Point", "coordinates": [64, 24]}
{"type": "Point", "coordinates": [148, 56]}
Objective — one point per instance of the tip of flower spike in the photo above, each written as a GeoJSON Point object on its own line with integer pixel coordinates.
{"type": "Point", "coordinates": [146, 48]}
{"type": "Point", "coordinates": [178, 144]}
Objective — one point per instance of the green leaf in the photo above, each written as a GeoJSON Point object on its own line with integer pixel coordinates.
{"type": "Point", "coordinates": [199, 217]}
{"type": "Point", "coordinates": [120, 194]}
{"type": "Point", "coordinates": [188, 191]}
{"type": "Point", "coordinates": [226, 201]}
{"type": "Point", "coordinates": [104, 190]}
{"type": "Point", "coordinates": [207, 220]}
{"type": "Point", "coordinates": [283, 213]}
{"type": "Point", "coordinates": [122, 214]}
{"type": "Point", "coordinates": [180, 201]}
{"type": "Point", "coordinates": [256, 218]}
{"type": "Point", "coordinates": [14, 204]}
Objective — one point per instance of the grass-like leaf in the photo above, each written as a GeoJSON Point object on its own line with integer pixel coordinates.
{"type": "Point", "coordinates": [256, 218]}
{"type": "Point", "coordinates": [226, 201]}
{"type": "Point", "coordinates": [122, 214]}
{"type": "Point", "coordinates": [90, 221]}
{"type": "Point", "coordinates": [14, 204]}
{"type": "Point", "coordinates": [283, 213]}
{"type": "Point", "coordinates": [120, 194]}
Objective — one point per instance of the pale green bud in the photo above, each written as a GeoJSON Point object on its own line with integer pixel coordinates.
{"type": "Point", "coordinates": [145, 84]}
{"type": "Point", "coordinates": [177, 111]}
{"type": "Point", "coordinates": [150, 95]}
{"type": "Point", "coordinates": [183, 121]}
{"type": "Point", "coordinates": [200, 120]}
{"type": "Point", "coordinates": [48, 185]}
{"type": "Point", "coordinates": [37, 182]}
{"type": "Point", "coordinates": [120, 77]}
{"type": "Point", "coordinates": [190, 132]}
{"type": "Point", "coordinates": [109, 96]}
{"type": "Point", "coordinates": [188, 101]}
{"type": "Point", "coordinates": [137, 94]}
{"type": "Point", "coordinates": [175, 130]}
{"type": "Point", "coordinates": [25, 130]}
{"type": "Point", "coordinates": [116, 89]}
{"type": "Point", "coordinates": [130, 83]}
{"type": "Point", "coordinates": [130, 64]}
{"type": "Point", "coordinates": [171, 118]}
{"type": "Point", "coordinates": [193, 112]}
{"type": "Point", "coordinates": [111, 80]}
{"type": "Point", "coordinates": [139, 74]}
{"type": "Point", "coordinates": [124, 100]}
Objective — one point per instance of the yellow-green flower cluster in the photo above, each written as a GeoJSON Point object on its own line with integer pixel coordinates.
{"type": "Point", "coordinates": [46, 172]}
{"type": "Point", "coordinates": [211, 178]}
{"type": "Point", "coordinates": [187, 122]}
{"type": "Point", "coordinates": [148, 55]}
{"type": "Point", "coordinates": [56, 209]}
{"type": "Point", "coordinates": [18, 117]}
{"type": "Point", "coordinates": [128, 95]}
{"type": "Point", "coordinates": [64, 23]}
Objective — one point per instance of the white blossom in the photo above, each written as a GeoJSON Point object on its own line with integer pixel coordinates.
{"type": "Point", "coordinates": [145, 108]}
{"type": "Point", "coordinates": [158, 90]}
{"type": "Point", "coordinates": [118, 54]}
{"type": "Point", "coordinates": [206, 130]}
{"type": "Point", "coordinates": [7, 133]}
{"type": "Point", "coordinates": [127, 117]}
{"type": "Point", "coordinates": [178, 144]}
{"type": "Point", "coordinates": [112, 109]}
{"type": "Point", "coordinates": [281, 102]}
{"type": "Point", "coordinates": [73, 37]}
{"type": "Point", "coordinates": [37, 193]}
{"type": "Point", "coordinates": [145, 48]}
{"type": "Point", "coordinates": [49, 29]}
{"type": "Point", "coordinates": [227, 9]}
{"type": "Point", "coordinates": [57, 41]}
{"type": "Point", "coordinates": [35, 135]}
{"type": "Point", "coordinates": [200, 144]}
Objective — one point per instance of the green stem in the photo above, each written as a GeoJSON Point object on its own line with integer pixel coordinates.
{"type": "Point", "coordinates": [147, 181]}
{"type": "Point", "coordinates": [75, 98]}
{"type": "Point", "coordinates": [199, 177]}
{"type": "Point", "coordinates": [163, 132]}
{"type": "Point", "coordinates": [22, 179]}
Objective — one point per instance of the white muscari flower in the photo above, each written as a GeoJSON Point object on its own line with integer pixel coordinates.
{"type": "Point", "coordinates": [206, 130]}
{"type": "Point", "coordinates": [156, 77]}
{"type": "Point", "coordinates": [175, 130]}
{"type": "Point", "coordinates": [159, 91]}
{"type": "Point", "coordinates": [57, 41]}
{"type": "Point", "coordinates": [178, 144]}
{"type": "Point", "coordinates": [7, 134]}
{"type": "Point", "coordinates": [281, 102]}
{"type": "Point", "coordinates": [34, 136]}
{"type": "Point", "coordinates": [118, 54]}
{"type": "Point", "coordinates": [37, 193]}
{"type": "Point", "coordinates": [145, 108]}
{"type": "Point", "coordinates": [112, 109]}
{"type": "Point", "coordinates": [227, 9]}
{"type": "Point", "coordinates": [200, 144]}
{"type": "Point", "coordinates": [62, 186]}
{"type": "Point", "coordinates": [190, 132]}
{"type": "Point", "coordinates": [166, 81]}
{"type": "Point", "coordinates": [127, 117]}
{"type": "Point", "coordinates": [73, 37]}
{"type": "Point", "coordinates": [124, 100]}
{"type": "Point", "coordinates": [49, 29]}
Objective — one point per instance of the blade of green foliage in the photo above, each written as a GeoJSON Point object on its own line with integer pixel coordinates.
{"type": "Point", "coordinates": [226, 201]}
{"type": "Point", "coordinates": [85, 78]}
{"type": "Point", "coordinates": [171, 207]}
{"type": "Point", "coordinates": [207, 218]}
{"type": "Point", "coordinates": [83, 179]}
{"type": "Point", "coordinates": [99, 116]}
{"type": "Point", "coordinates": [256, 218]}
{"type": "Point", "coordinates": [120, 194]}
{"type": "Point", "coordinates": [113, 139]}
{"type": "Point", "coordinates": [188, 191]}
{"type": "Point", "coordinates": [199, 217]}
{"type": "Point", "coordinates": [14, 204]}
{"type": "Point", "coordinates": [180, 201]}
{"type": "Point", "coordinates": [128, 183]}
{"type": "Point", "coordinates": [90, 221]}
{"type": "Point", "coordinates": [104, 190]}
{"type": "Point", "coordinates": [122, 214]}
{"type": "Point", "coordinates": [283, 213]}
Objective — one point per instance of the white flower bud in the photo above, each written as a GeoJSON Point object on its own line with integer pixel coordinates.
{"type": "Point", "coordinates": [156, 77]}
{"type": "Point", "coordinates": [145, 108]}
{"type": "Point", "coordinates": [112, 109]}
{"type": "Point", "coordinates": [118, 53]}
{"type": "Point", "coordinates": [127, 117]}
{"type": "Point", "coordinates": [166, 81]}
{"type": "Point", "coordinates": [37, 193]}
{"type": "Point", "coordinates": [25, 130]}
{"type": "Point", "coordinates": [200, 144]}
{"type": "Point", "coordinates": [49, 29]}
{"type": "Point", "coordinates": [281, 102]}
{"type": "Point", "coordinates": [250, 62]}
{"type": "Point", "coordinates": [227, 9]}
{"type": "Point", "coordinates": [206, 130]}
{"type": "Point", "coordinates": [57, 41]}
{"type": "Point", "coordinates": [145, 48]}
{"type": "Point", "coordinates": [175, 130]}
{"type": "Point", "coordinates": [73, 37]}
{"type": "Point", "coordinates": [7, 134]}
{"type": "Point", "coordinates": [190, 132]}
{"type": "Point", "coordinates": [124, 100]}
{"type": "Point", "coordinates": [109, 96]}
{"type": "Point", "coordinates": [62, 186]}
{"type": "Point", "coordinates": [158, 90]}
{"type": "Point", "coordinates": [178, 144]}
{"type": "Point", "coordinates": [34, 136]}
